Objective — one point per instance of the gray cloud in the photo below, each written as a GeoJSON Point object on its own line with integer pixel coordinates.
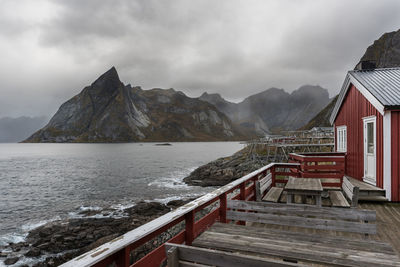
{"type": "Point", "coordinates": [51, 49]}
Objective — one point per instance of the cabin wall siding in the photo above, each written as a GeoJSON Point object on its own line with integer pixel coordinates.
{"type": "Point", "coordinates": [395, 154]}
{"type": "Point", "coordinates": [354, 108]}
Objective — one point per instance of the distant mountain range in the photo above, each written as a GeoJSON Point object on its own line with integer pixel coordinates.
{"type": "Point", "coordinates": [274, 109]}
{"type": "Point", "coordinates": [17, 129]}
{"type": "Point", "coordinates": [109, 111]}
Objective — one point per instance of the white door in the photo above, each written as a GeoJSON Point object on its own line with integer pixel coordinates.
{"type": "Point", "coordinates": [370, 150]}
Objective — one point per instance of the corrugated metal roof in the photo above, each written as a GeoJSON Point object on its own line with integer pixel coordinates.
{"type": "Point", "coordinates": [383, 84]}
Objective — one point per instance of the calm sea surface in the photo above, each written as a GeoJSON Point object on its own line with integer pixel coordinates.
{"type": "Point", "coordinates": [45, 182]}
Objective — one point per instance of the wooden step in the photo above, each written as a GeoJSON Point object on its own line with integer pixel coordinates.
{"type": "Point", "coordinates": [370, 193]}
{"type": "Point", "coordinates": [273, 194]}
{"type": "Point", "coordinates": [373, 198]}
{"type": "Point", "coordinates": [338, 199]}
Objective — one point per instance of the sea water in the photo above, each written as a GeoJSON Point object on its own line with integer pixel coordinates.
{"type": "Point", "coordinates": [40, 183]}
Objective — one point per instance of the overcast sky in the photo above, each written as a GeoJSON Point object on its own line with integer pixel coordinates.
{"type": "Point", "coordinates": [50, 50]}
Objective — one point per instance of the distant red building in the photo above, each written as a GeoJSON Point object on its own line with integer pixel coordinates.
{"type": "Point", "coordinates": [366, 119]}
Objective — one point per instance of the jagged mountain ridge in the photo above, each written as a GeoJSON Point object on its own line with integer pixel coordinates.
{"type": "Point", "coordinates": [109, 111]}
{"type": "Point", "coordinates": [384, 52]}
{"type": "Point", "coordinates": [273, 109]}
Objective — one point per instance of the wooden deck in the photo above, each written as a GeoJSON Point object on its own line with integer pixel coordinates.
{"type": "Point", "coordinates": [388, 222]}
{"type": "Point", "coordinates": [285, 241]}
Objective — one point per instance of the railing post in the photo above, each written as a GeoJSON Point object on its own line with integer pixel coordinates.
{"type": "Point", "coordinates": [243, 191]}
{"type": "Point", "coordinates": [242, 197]}
{"type": "Point", "coordinates": [123, 258]}
{"type": "Point", "coordinates": [222, 208]}
{"type": "Point", "coordinates": [189, 228]}
{"type": "Point", "coordinates": [273, 175]}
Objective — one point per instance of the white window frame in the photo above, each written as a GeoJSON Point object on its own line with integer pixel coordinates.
{"type": "Point", "coordinates": [341, 137]}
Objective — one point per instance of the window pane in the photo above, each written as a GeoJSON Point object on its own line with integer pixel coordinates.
{"type": "Point", "coordinates": [344, 139]}
{"type": "Point", "coordinates": [370, 137]}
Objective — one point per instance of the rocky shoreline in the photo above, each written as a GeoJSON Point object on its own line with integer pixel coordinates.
{"type": "Point", "coordinates": [225, 170]}
{"type": "Point", "coordinates": [57, 242]}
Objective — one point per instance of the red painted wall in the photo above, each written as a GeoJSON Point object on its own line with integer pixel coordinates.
{"type": "Point", "coordinates": [353, 109]}
{"type": "Point", "coordinates": [395, 126]}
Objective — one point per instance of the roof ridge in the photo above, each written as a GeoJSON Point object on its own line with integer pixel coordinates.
{"type": "Point", "coordinates": [377, 69]}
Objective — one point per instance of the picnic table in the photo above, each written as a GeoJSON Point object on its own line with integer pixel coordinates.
{"type": "Point", "coordinates": [304, 187]}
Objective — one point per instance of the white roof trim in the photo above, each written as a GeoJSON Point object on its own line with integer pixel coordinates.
{"type": "Point", "coordinates": [350, 79]}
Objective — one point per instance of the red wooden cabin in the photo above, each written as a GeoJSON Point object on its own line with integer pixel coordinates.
{"type": "Point", "coordinates": [366, 120]}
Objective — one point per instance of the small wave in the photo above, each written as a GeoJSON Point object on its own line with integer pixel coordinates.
{"type": "Point", "coordinates": [12, 238]}
{"type": "Point", "coordinates": [21, 236]}
{"type": "Point", "coordinates": [33, 225]}
{"type": "Point", "coordinates": [122, 206]}
{"type": "Point", "coordinates": [174, 180]}
{"type": "Point", "coordinates": [165, 200]}
{"type": "Point", "coordinates": [90, 208]}
{"type": "Point", "coordinates": [32, 261]}
{"type": "Point", "coordinates": [84, 212]}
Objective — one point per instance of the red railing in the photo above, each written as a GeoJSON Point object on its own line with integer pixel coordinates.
{"type": "Point", "coordinates": [329, 167]}
{"type": "Point", "coordinates": [118, 251]}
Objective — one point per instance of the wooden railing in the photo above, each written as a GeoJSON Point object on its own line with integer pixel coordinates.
{"type": "Point", "coordinates": [118, 251]}
{"type": "Point", "coordinates": [329, 167]}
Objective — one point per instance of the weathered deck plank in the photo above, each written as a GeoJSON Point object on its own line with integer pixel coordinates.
{"type": "Point", "coordinates": [325, 241]}
{"type": "Point", "coordinates": [273, 194]}
{"type": "Point", "coordinates": [295, 250]}
{"type": "Point", "coordinates": [338, 199]}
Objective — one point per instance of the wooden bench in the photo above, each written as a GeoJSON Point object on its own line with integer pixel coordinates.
{"type": "Point", "coordinates": [189, 256]}
{"type": "Point", "coordinates": [305, 216]}
{"type": "Point", "coordinates": [350, 191]}
{"type": "Point", "coordinates": [265, 184]}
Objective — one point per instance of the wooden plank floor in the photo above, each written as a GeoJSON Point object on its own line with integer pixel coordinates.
{"type": "Point", "coordinates": [304, 248]}
{"type": "Point", "coordinates": [388, 225]}
{"type": "Point", "coordinates": [388, 222]}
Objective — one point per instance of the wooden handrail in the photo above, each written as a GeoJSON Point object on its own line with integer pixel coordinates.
{"type": "Point", "coordinates": [123, 245]}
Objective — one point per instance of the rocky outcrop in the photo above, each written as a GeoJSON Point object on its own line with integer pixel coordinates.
{"type": "Point", "coordinates": [225, 170]}
{"type": "Point", "coordinates": [274, 109]}
{"type": "Point", "coordinates": [109, 111]}
{"type": "Point", "coordinates": [383, 53]}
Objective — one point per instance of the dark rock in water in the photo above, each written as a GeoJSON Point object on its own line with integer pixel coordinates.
{"type": "Point", "coordinates": [176, 203]}
{"type": "Point", "coordinates": [11, 261]}
{"type": "Point", "coordinates": [164, 144]}
{"type": "Point", "coordinates": [33, 252]}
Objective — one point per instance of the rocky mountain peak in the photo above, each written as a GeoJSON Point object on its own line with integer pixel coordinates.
{"type": "Point", "coordinates": [108, 81]}
{"type": "Point", "coordinates": [213, 98]}
{"type": "Point", "coordinates": [315, 91]}
{"type": "Point", "coordinates": [383, 53]}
